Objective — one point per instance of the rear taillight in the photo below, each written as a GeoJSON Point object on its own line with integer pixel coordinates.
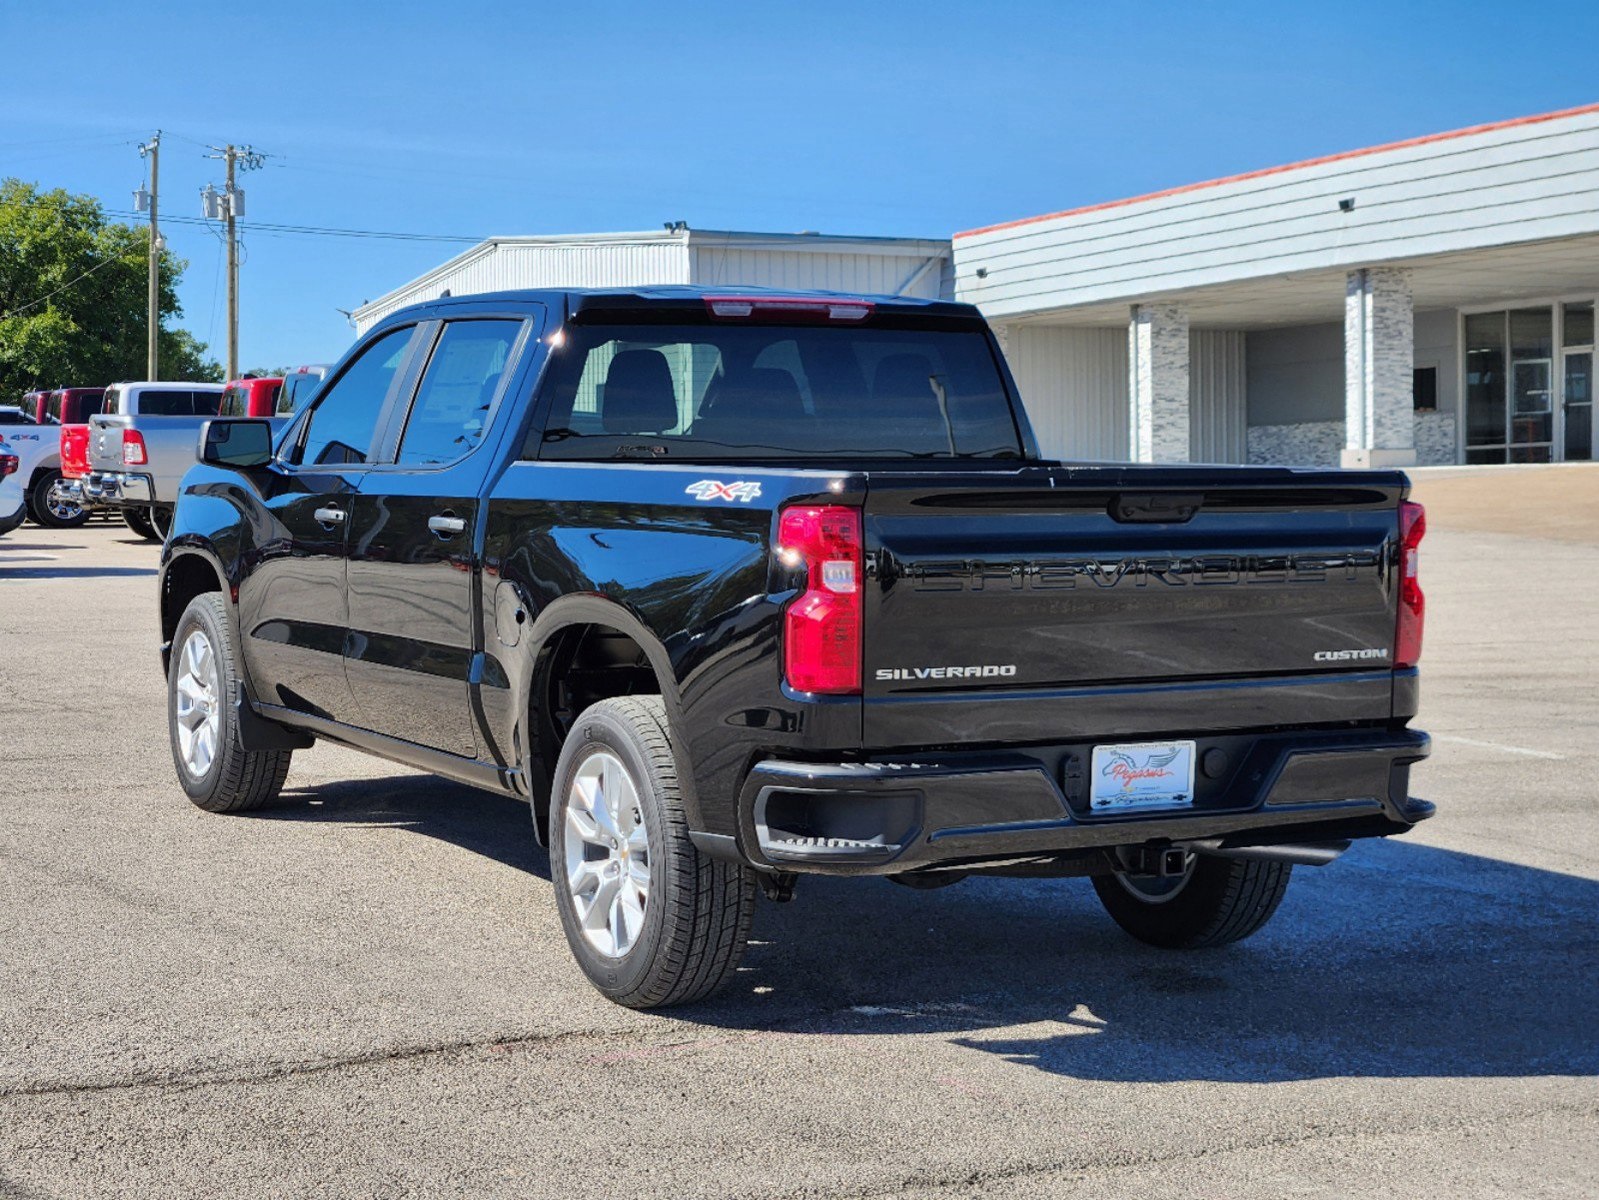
{"type": "Point", "coordinates": [822, 626]}
{"type": "Point", "coordinates": [8, 465]}
{"type": "Point", "coordinates": [133, 452]}
{"type": "Point", "coordinates": [1412, 604]}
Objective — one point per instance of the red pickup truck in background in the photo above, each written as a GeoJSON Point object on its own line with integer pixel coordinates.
{"type": "Point", "coordinates": [33, 404]}
{"type": "Point", "coordinates": [251, 397]}
{"type": "Point", "coordinates": [54, 496]}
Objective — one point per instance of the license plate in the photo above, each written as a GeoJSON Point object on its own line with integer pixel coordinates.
{"type": "Point", "coordinates": [1142, 775]}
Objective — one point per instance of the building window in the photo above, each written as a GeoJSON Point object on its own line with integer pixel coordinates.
{"type": "Point", "coordinates": [1424, 389]}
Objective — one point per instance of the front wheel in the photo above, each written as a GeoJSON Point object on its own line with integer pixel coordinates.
{"type": "Point", "coordinates": [651, 920]}
{"type": "Point", "coordinates": [215, 769]}
{"type": "Point", "coordinates": [53, 506]}
{"type": "Point", "coordinates": [1215, 901]}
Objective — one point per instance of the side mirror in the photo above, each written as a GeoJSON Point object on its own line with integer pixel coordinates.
{"type": "Point", "coordinates": [235, 443]}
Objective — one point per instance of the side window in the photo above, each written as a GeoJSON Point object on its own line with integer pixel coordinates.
{"type": "Point", "coordinates": [341, 426]}
{"type": "Point", "coordinates": [232, 403]}
{"type": "Point", "coordinates": [452, 406]}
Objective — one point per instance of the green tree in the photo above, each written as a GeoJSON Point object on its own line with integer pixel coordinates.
{"type": "Point", "coordinates": [74, 298]}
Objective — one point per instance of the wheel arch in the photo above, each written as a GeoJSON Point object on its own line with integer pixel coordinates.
{"type": "Point", "coordinates": [188, 572]}
{"type": "Point", "coordinates": [577, 655]}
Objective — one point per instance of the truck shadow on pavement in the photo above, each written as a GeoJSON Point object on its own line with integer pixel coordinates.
{"type": "Point", "coordinates": [497, 827]}
{"type": "Point", "coordinates": [1401, 960]}
{"type": "Point", "coordinates": [7, 571]}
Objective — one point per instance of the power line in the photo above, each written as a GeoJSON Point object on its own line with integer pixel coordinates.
{"type": "Point", "coordinates": [32, 303]}
{"type": "Point", "coordinates": [278, 229]}
{"type": "Point", "coordinates": [317, 230]}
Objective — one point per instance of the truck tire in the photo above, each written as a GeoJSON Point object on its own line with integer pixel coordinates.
{"type": "Point", "coordinates": [215, 769]}
{"type": "Point", "coordinates": [138, 520]}
{"type": "Point", "coordinates": [1219, 900]}
{"type": "Point", "coordinates": [51, 507]}
{"type": "Point", "coordinates": [665, 930]}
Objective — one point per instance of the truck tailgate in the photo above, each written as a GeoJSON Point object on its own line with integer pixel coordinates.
{"type": "Point", "coordinates": [105, 441]}
{"type": "Point", "coordinates": [1106, 593]}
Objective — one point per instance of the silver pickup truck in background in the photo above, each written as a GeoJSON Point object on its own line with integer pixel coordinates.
{"type": "Point", "coordinates": [142, 444]}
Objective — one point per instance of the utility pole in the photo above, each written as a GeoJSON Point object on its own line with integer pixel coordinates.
{"type": "Point", "coordinates": [233, 270]}
{"type": "Point", "coordinates": [230, 206]}
{"type": "Point", "coordinates": [152, 150]}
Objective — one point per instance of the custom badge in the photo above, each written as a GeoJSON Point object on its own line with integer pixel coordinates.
{"type": "Point", "coordinates": [715, 489]}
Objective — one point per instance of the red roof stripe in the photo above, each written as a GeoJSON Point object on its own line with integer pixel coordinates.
{"type": "Point", "coordinates": [1309, 162]}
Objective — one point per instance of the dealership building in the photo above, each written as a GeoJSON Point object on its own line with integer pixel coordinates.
{"type": "Point", "coordinates": [1420, 303]}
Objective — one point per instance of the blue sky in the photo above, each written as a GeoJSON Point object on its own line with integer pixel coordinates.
{"type": "Point", "coordinates": [477, 119]}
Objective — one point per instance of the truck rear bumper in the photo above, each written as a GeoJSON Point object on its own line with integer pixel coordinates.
{"type": "Point", "coordinates": [891, 815]}
{"type": "Point", "coordinates": [116, 488]}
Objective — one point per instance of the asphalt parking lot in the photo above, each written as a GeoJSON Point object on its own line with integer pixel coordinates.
{"type": "Point", "coordinates": [365, 990]}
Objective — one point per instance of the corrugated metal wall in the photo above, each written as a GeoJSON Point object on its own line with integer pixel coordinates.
{"type": "Point", "coordinates": [1218, 414]}
{"type": "Point", "coordinates": [505, 265]}
{"type": "Point", "coordinates": [1074, 384]}
{"type": "Point", "coordinates": [839, 272]}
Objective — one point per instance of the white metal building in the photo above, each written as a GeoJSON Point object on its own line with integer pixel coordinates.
{"type": "Point", "coordinates": [1430, 301]}
{"type": "Point", "coordinates": [680, 255]}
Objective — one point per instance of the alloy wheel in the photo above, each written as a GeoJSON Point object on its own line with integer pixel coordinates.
{"type": "Point", "coordinates": [199, 707]}
{"type": "Point", "coordinates": [607, 854]}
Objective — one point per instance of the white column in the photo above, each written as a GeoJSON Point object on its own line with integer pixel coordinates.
{"type": "Point", "coordinates": [1379, 357]}
{"type": "Point", "coordinates": [1157, 383]}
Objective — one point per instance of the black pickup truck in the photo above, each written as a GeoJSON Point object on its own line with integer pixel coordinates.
{"type": "Point", "coordinates": [738, 586]}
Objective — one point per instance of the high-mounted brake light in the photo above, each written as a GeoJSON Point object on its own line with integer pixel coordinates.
{"type": "Point", "coordinates": [787, 308]}
{"type": "Point", "coordinates": [133, 451]}
{"type": "Point", "coordinates": [822, 625]}
{"type": "Point", "coordinates": [1412, 604]}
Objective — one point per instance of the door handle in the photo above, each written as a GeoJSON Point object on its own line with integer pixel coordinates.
{"type": "Point", "coordinates": [447, 525]}
{"type": "Point", "coordinates": [330, 516]}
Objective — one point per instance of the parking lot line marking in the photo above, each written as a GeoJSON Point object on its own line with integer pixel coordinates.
{"type": "Point", "coordinates": [1466, 741]}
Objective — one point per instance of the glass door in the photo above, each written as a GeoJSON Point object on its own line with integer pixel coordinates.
{"type": "Point", "coordinates": [1576, 396]}
{"type": "Point", "coordinates": [1510, 386]}
{"type": "Point", "coordinates": [1532, 407]}
{"type": "Point", "coordinates": [1579, 405]}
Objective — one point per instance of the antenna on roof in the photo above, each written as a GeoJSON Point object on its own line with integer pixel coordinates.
{"type": "Point", "coordinates": [445, 294]}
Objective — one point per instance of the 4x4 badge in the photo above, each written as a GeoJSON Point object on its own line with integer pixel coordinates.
{"type": "Point", "coordinates": [715, 489]}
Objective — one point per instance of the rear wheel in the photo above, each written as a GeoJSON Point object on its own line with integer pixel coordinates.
{"type": "Point", "coordinates": [651, 920]}
{"type": "Point", "coordinates": [138, 520]}
{"type": "Point", "coordinates": [52, 506]}
{"type": "Point", "coordinates": [215, 769]}
{"type": "Point", "coordinates": [1214, 902]}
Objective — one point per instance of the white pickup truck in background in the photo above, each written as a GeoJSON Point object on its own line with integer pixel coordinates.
{"type": "Point", "coordinates": [143, 443]}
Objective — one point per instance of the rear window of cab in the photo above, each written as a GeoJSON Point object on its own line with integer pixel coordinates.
{"type": "Point", "coordinates": [737, 391]}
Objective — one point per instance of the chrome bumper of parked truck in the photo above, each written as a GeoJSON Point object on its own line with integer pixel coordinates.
{"type": "Point", "coordinates": [116, 487]}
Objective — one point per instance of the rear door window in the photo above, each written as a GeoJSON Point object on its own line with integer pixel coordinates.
{"type": "Point", "coordinates": [235, 402]}
{"type": "Point", "coordinates": [462, 381]}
